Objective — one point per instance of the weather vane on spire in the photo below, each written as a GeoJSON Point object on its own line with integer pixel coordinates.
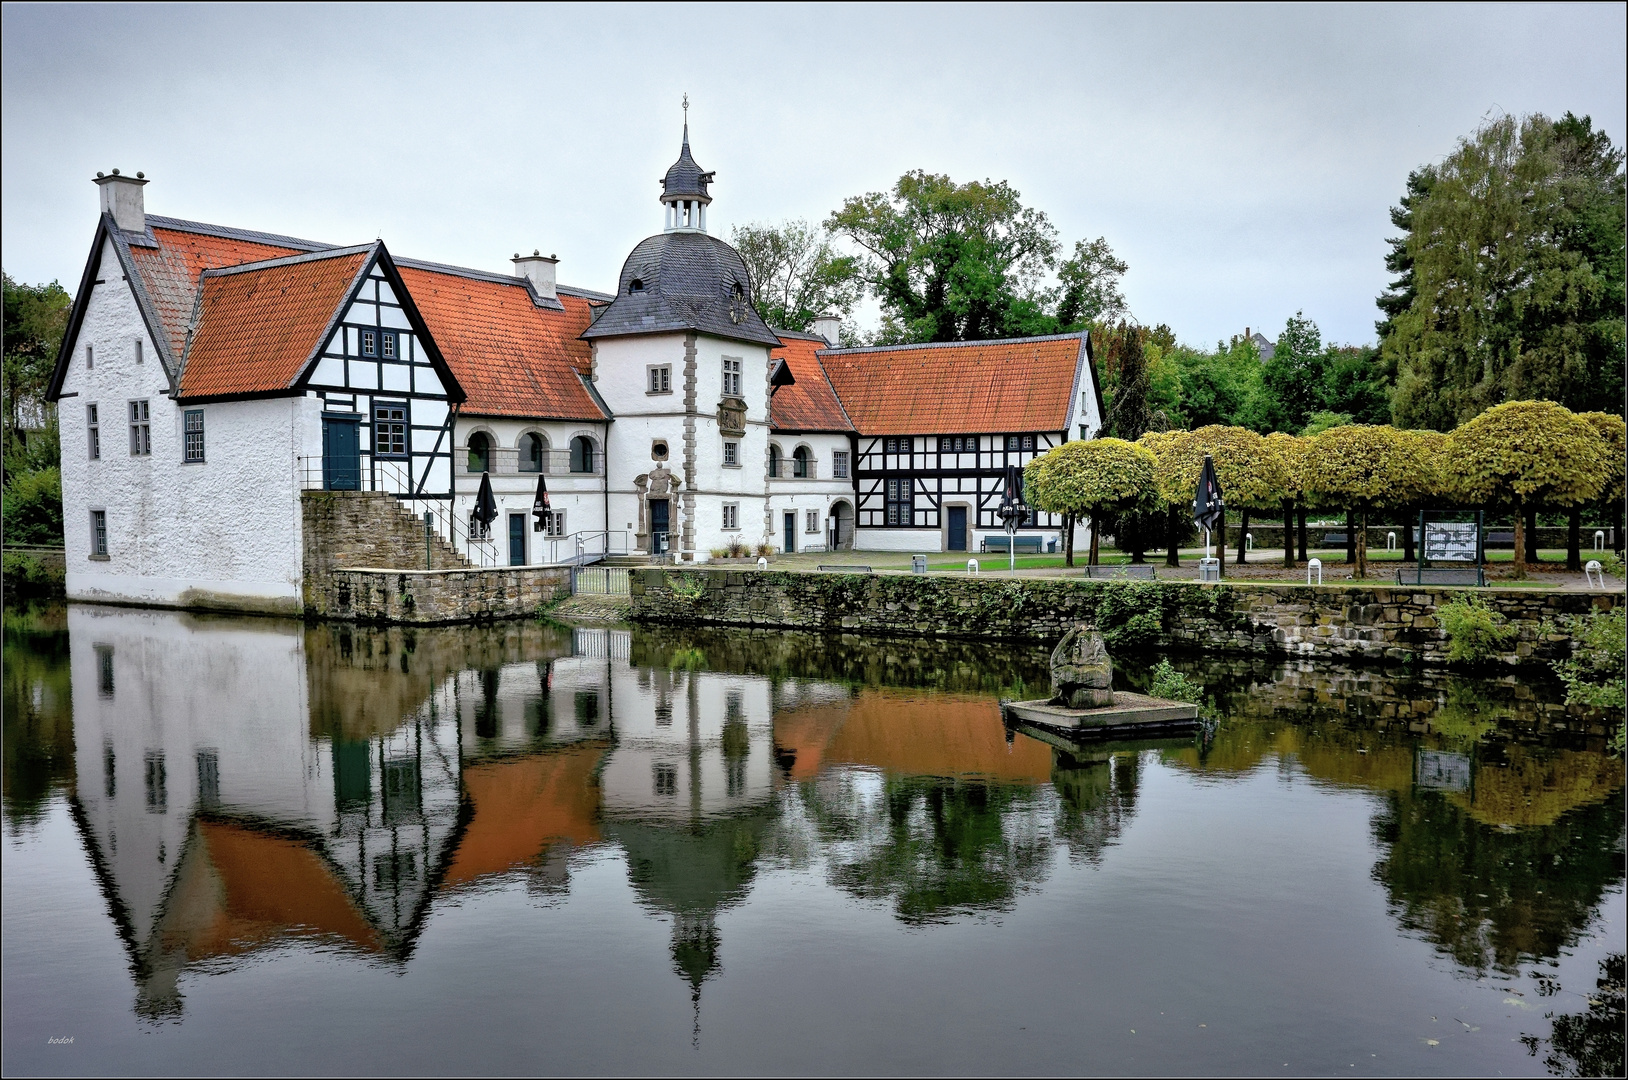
{"type": "Point", "coordinates": [686, 108]}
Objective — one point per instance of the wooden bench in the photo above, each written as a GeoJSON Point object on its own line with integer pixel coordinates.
{"type": "Point", "coordinates": [1024, 544]}
{"type": "Point", "coordinates": [1139, 571]}
{"type": "Point", "coordinates": [1334, 539]}
{"type": "Point", "coordinates": [1439, 575]}
{"type": "Point", "coordinates": [845, 568]}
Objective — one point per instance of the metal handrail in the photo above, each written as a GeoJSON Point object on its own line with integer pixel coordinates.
{"type": "Point", "coordinates": [394, 478]}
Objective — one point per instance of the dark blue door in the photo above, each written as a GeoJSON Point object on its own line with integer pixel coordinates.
{"type": "Point", "coordinates": [341, 455]}
{"type": "Point", "coordinates": [958, 528]}
{"type": "Point", "coordinates": [517, 539]}
{"type": "Point", "coordinates": [791, 532]}
{"type": "Point", "coordinates": [658, 526]}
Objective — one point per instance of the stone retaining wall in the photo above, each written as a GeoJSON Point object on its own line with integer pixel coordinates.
{"type": "Point", "coordinates": [1363, 623]}
{"type": "Point", "coordinates": [424, 597]}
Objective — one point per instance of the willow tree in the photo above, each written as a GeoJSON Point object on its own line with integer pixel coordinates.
{"type": "Point", "coordinates": [1090, 477]}
{"type": "Point", "coordinates": [1363, 466]}
{"type": "Point", "coordinates": [1614, 443]}
{"type": "Point", "coordinates": [1527, 454]}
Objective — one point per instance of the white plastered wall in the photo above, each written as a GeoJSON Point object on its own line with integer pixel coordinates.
{"type": "Point", "coordinates": [224, 532]}
{"type": "Point", "coordinates": [821, 493]}
{"type": "Point", "coordinates": [581, 496]}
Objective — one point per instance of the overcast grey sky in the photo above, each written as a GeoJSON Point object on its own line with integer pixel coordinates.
{"type": "Point", "coordinates": [1240, 158]}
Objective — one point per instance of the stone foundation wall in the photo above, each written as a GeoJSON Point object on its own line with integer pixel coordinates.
{"type": "Point", "coordinates": [1365, 623]}
{"type": "Point", "coordinates": [424, 597]}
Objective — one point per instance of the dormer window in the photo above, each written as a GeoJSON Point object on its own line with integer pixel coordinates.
{"type": "Point", "coordinates": [635, 286]}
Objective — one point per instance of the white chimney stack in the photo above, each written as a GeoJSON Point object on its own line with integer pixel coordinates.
{"type": "Point", "coordinates": [121, 197]}
{"type": "Point", "coordinates": [829, 327]}
{"type": "Point", "coordinates": [538, 269]}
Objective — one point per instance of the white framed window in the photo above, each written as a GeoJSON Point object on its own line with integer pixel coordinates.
{"type": "Point", "coordinates": [661, 379]}
{"type": "Point", "coordinates": [554, 523]}
{"type": "Point", "coordinates": [93, 432]}
{"type": "Point", "coordinates": [732, 454]}
{"type": "Point", "coordinates": [732, 515]}
{"type": "Point", "coordinates": [732, 376]}
{"type": "Point", "coordinates": [193, 430]}
{"type": "Point", "coordinates": [98, 534]}
{"type": "Point", "coordinates": [811, 521]}
{"type": "Point", "coordinates": [839, 464]}
{"type": "Point", "coordinates": [141, 432]}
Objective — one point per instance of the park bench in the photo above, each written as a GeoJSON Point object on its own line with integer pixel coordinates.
{"type": "Point", "coordinates": [846, 568]}
{"type": "Point", "coordinates": [1438, 575]}
{"type": "Point", "coordinates": [1138, 571]}
{"type": "Point", "coordinates": [1023, 544]}
{"type": "Point", "coordinates": [1334, 539]}
{"type": "Point", "coordinates": [1500, 539]}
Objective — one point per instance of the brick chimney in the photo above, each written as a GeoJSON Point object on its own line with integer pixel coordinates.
{"type": "Point", "coordinates": [121, 197]}
{"type": "Point", "coordinates": [538, 269]}
{"type": "Point", "coordinates": [829, 327]}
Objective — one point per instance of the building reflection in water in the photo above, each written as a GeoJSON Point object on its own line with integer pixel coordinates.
{"type": "Point", "coordinates": [246, 784]}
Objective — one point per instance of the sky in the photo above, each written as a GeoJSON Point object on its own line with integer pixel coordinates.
{"type": "Point", "coordinates": [1241, 159]}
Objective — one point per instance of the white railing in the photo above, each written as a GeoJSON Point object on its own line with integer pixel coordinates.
{"type": "Point", "coordinates": [579, 547]}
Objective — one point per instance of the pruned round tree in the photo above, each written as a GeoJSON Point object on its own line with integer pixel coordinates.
{"type": "Point", "coordinates": [1291, 452]}
{"type": "Point", "coordinates": [1091, 477]}
{"type": "Point", "coordinates": [1363, 466]}
{"type": "Point", "coordinates": [1527, 454]}
{"type": "Point", "coordinates": [1251, 475]}
{"type": "Point", "coordinates": [1614, 444]}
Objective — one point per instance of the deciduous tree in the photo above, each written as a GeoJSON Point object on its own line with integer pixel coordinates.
{"type": "Point", "coordinates": [1516, 249]}
{"type": "Point", "coordinates": [1361, 466]}
{"type": "Point", "coordinates": [1527, 454]}
{"type": "Point", "coordinates": [1093, 477]}
{"type": "Point", "coordinates": [796, 274]}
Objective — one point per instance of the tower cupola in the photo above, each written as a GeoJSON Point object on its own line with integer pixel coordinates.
{"type": "Point", "coordinates": [684, 188]}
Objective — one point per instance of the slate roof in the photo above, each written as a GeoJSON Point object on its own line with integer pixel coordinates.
{"type": "Point", "coordinates": [259, 325]}
{"type": "Point", "coordinates": [975, 387]}
{"type": "Point", "coordinates": [688, 281]}
{"type": "Point", "coordinates": [809, 404]}
{"type": "Point", "coordinates": [686, 177]}
{"type": "Point", "coordinates": [511, 357]}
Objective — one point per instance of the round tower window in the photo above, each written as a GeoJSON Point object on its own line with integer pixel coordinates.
{"type": "Point", "coordinates": [658, 450]}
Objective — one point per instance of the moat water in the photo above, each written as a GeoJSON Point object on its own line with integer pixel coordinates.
{"type": "Point", "coordinates": [250, 846]}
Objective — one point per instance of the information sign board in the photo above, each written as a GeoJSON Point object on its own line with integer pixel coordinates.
{"type": "Point", "coordinates": [1450, 541]}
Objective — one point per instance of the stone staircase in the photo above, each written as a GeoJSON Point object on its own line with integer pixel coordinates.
{"type": "Point", "coordinates": [346, 530]}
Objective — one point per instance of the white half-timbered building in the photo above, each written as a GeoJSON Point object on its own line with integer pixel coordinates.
{"type": "Point", "coordinates": [210, 374]}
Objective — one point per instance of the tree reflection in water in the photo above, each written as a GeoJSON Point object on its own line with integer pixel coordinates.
{"type": "Point", "coordinates": [1589, 1043]}
{"type": "Point", "coordinates": [933, 847]}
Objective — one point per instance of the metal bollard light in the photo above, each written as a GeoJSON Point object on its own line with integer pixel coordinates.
{"type": "Point", "coordinates": [1249, 541]}
{"type": "Point", "coordinates": [762, 563]}
{"type": "Point", "coordinates": [1594, 571]}
{"type": "Point", "coordinates": [1317, 565]}
{"type": "Point", "coordinates": [1599, 539]}
{"type": "Point", "coordinates": [972, 566]}
{"type": "Point", "coordinates": [1390, 541]}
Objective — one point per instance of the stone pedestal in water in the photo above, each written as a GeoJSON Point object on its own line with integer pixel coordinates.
{"type": "Point", "coordinates": [1083, 697]}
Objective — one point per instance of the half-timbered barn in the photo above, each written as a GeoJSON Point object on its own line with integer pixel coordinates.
{"type": "Point", "coordinates": [936, 427]}
{"type": "Point", "coordinates": [210, 375]}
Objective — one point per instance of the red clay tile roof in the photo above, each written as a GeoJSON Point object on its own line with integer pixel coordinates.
{"type": "Point", "coordinates": [958, 388]}
{"type": "Point", "coordinates": [170, 271]}
{"type": "Point", "coordinates": [511, 357]}
{"type": "Point", "coordinates": [809, 404]}
{"type": "Point", "coordinates": [258, 327]}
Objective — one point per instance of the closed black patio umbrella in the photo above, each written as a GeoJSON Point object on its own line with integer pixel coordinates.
{"type": "Point", "coordinates": [1208, 504]}
{"type": "Point", "coordinates": [485, 505]}
{"type": "Point", "coordinates": [539, 505]}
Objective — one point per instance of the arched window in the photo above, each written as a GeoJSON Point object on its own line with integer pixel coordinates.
{"type": "Point", "coordinates": [799, 462]}
{"type": "Point", "coordinates": [774, 460]}
{"type": "Point", "coordinates": [582, 454]}
{"type": "Point", "coordinates": [531, 453]}
{"type": "Point", "coordinates": [480, 453]}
